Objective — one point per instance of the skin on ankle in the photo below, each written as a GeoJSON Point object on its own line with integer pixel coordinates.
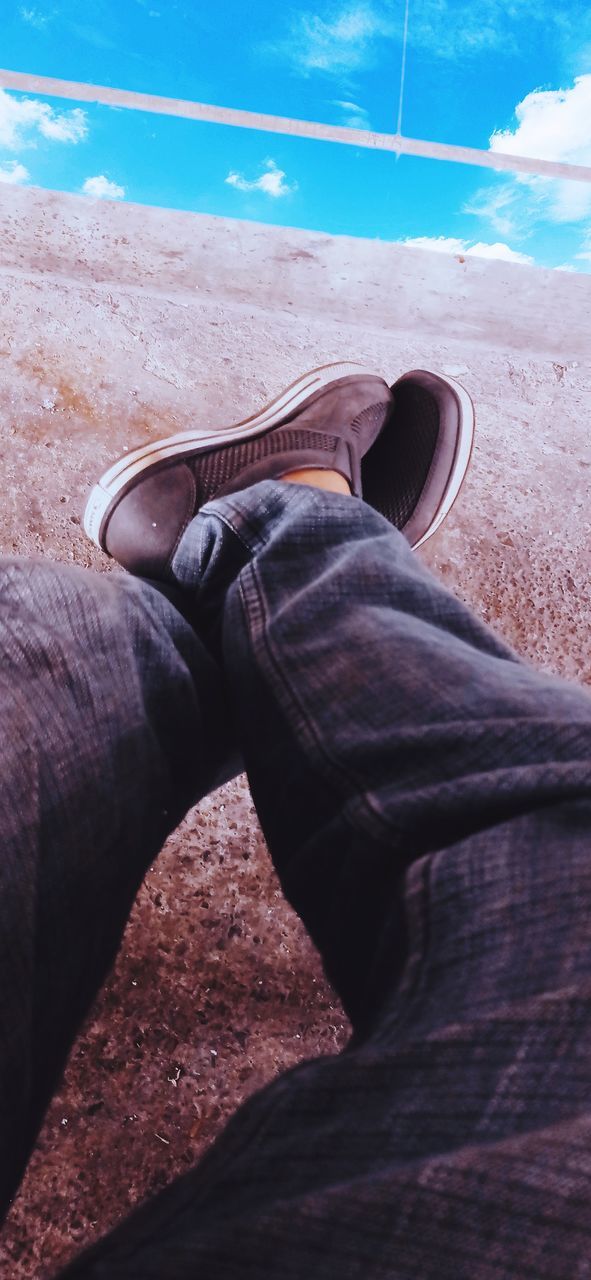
{"type": "Point", "coordinates": [319, 479]}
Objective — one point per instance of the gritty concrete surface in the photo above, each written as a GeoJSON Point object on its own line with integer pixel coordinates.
{"type": "Point", "coordinates": [122, 324]}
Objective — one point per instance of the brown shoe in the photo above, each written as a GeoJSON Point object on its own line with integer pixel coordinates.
{"type": "Point", "coordinates": [414, 471]}
{"type": "Point", "coordinates": [142, 505]}
{"type": "Point", "coordinates": [405, 451]}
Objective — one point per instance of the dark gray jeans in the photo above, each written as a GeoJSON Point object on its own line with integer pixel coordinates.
{"type": "Point", "coordinates": [426, 798]}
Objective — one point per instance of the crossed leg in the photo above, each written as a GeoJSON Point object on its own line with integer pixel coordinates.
{"type": "Point", "coordinates": [112, 723]}
{"type": "Point", "coordinates": [425, 797]}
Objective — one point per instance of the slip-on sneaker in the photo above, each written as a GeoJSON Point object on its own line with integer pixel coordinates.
{"type": "Point", "coordinates": [414, 471]}
{"type": "Point", "coordinates": [406, 453]}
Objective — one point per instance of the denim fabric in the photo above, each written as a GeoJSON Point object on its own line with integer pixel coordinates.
{"type": "Point", "coordinates": [426, 800]}
{"type": "Point", "coordinates": [112, 723]}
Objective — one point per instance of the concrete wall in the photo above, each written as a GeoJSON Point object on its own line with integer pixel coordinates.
{"type": "Point", "coordinates": [122, 323]}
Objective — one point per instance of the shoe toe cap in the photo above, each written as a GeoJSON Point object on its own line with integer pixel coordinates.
{"type": "Point", "coordinates": [146, 523]}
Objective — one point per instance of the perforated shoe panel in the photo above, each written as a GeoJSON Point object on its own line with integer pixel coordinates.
{"type": "Point", "coordinates": [395, 470]}
{"type": "Point", "coordinates": [215, 471]}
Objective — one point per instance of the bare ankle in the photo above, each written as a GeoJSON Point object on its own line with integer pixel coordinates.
{"type": "Point", "coordinates": [319, 479]}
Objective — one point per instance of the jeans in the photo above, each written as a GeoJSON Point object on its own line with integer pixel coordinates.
{"type": "Point", "coordinates": [426, 799]}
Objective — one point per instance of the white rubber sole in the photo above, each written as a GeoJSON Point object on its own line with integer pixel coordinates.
{"type": "Point", "coordinates": [123, 472]}
{"type": "Point", "coordinates": [462, 456]}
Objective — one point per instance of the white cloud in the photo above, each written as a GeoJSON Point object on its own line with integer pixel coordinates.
{"type": "Point", "coordinates": [71, 126]}
{"type": "Point", "coordinates": [584, 254]}
{"type": "Point", "coordinates": [341, 37]}
{"type": "Point", "coordinates": [552, 124]}
{"type": "Point", "coordinates": [353, 116]}
{"type": "Point", "coordinates": [499, 250]}
{"type": "Point", "coordinates": [460, 29]}
{"type": "Point", "coordinates": [24, 120]}
{"type": "Point", "coordinates": [465, 249]}
{"type": "Point", "coordinates": [341, 43]}
{"type": "Point", "coordinates": [34, 18]}
{"type": "Point", "coordinates": [497, 206]}
{"type": "Point", "coordinates": [271, 182]}
{"type": "Point", "coordinates": [13, 172]}
{"type": "Point", "coordinates": [102, 189]}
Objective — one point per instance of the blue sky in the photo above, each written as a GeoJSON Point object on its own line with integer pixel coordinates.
{"type": "Point", "coordinates": [511, 74]}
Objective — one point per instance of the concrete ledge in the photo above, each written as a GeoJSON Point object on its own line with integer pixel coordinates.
{"type": "Point", "coordinates": [363, 282]}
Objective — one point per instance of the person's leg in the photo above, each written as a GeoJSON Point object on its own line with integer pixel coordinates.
{"type": "Point", "coordinates": [426, 799]}
{"type": "Point", "coordinates": [113, 722]}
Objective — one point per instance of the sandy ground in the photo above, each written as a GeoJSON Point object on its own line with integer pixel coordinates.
{"type": "Point", "coordinates": [122, 324]}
